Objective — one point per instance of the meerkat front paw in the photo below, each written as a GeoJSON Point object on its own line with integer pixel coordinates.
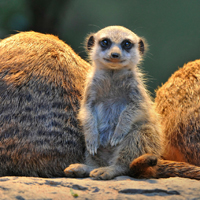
{"type": "Point", "coordinates": [117, 137]}
{"type": "Point", "coordinates": [77, 170]}
{"type": "Point", "coordinates": [92, 144]}
{"type": "Point", "coordinates": [103, 173]}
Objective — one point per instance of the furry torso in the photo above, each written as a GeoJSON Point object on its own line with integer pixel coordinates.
{"type": "Point", "coordinates": [113, 92]}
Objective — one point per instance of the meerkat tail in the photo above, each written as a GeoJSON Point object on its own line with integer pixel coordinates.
{"type": "Point", "coordinates": [149, 166]}
{"type": "Point", "coordinates": [143, 166]}
{"type": "Point", "coordinates": [167, 168]}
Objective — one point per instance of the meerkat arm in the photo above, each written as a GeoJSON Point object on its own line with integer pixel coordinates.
{"type": "Point", "coordinates": [89, 122]}
{"type": "Point", "coordinates": [128, 117]}
{"type": "Point", "coordinates": [91, 132]}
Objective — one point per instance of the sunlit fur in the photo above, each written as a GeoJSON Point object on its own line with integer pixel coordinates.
{"type": "Point", "coordinates": [117, 114]}
{"type": "Point", "coordinates": [178, 103]}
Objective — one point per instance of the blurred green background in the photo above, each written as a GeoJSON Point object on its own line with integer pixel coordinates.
{"type": "Point", "coordinates": [171, 27]}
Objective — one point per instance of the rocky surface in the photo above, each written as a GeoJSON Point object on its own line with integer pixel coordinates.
{"type": "Point", "coordinates": [122, 187]}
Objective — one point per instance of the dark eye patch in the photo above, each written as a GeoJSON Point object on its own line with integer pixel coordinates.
{"type": "Point", "coordinates": [105, 43]}
{"type": "Point", "coordinates": [127, 45]}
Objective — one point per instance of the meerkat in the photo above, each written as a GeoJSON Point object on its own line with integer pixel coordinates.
{"type": "Point", "coordinates": [178, 103]}
{"type": "Point", "coordinates": [117, 114]}
{"type": "Point", "coordinates": [41, 83]}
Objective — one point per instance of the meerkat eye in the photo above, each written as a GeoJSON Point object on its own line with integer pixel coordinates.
{"type": "Point", "coordinates": [127, 45]}
{"type": "Point", "coordinates": [105, 43]}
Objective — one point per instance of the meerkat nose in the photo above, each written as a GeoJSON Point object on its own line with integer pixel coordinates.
{"type": "Point", "coordinates": [115, 55]}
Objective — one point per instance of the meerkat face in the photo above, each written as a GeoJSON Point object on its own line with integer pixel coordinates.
{"type": "Point", "coordinates": [115, 47]}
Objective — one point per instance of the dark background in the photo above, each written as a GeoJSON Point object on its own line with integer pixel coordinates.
{"type": "Point", "coordinates": [171, 27]}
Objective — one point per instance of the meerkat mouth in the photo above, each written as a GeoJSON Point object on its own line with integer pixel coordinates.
{"type": "Point", "coordinates": [114, 60]}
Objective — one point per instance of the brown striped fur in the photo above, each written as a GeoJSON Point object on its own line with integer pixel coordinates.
{"type": "Point", "coordinates": [41, 83]}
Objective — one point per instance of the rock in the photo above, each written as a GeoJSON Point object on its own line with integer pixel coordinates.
{"type": "Point", "coordinates": [122, 187]}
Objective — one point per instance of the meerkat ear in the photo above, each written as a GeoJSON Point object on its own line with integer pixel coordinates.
{"type": "Point", "coordinates": [141, 46]}
{"type": "Point", "coordinates": [90, 42]}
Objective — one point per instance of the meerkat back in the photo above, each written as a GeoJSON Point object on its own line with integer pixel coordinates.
{"type": "Point", "coordinates": [178, 103]}
{"type": "Point", "coordinates": [41, 82]}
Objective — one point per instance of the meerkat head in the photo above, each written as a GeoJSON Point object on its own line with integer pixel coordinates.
{"type": "Point", "coordinates": [115, 47]}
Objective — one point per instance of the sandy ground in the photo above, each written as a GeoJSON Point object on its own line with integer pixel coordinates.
{"type": "Point", "coordinates": [122, 187]}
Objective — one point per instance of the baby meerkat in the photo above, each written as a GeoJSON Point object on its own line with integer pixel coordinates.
{"type": "Point", "coordinates": [117, 114]}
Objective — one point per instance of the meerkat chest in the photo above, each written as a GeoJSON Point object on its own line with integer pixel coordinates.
{"type": "Point", "coordinates": [112, 87]}
{"type": "Point", "coordinates": [112, 97]}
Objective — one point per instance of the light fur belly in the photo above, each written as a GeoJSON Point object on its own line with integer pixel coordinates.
{"type": "Point", "coordinates": [106, 155]}
{"type": "Point", "coordinates": [108, 113]}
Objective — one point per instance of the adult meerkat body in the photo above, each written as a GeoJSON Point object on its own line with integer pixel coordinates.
{"type": "Point", "coordinates": [41, 83]}
{"type": "Point", "coordinates": [116, 113]}
{"type": "Point", "coordinates": [178, 103]}
{"type": "Point", "coordinates": [180, 115]}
